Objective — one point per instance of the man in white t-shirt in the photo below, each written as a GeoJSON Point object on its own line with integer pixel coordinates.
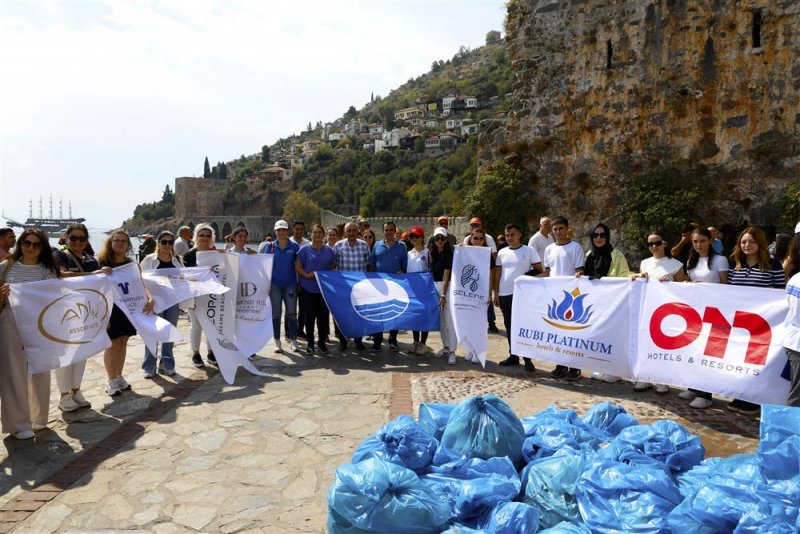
{"type": "Point", "coordinates": [563, 258]}
{"type": "Point", "coordinates": [474, 223]}
{"type": "Point", "coordinates": [513, 261]}
{"type": "Point", "coordinates": [184, 242]}
{"type": "Point", "coordinates": [544, 237]}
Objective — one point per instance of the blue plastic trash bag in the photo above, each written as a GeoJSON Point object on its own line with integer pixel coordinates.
{"type": "Point", "coordinates": [770, 519]}
{"type": "Point", "coordinates": [715, 507]}
{"type": "Point", "coordinates": [550, 486]}
{"type": "Point", "coordinates": [554, 429]}
{"type": "Point", "coordinates": [740, 470]}
{"type": "Point", "coordinates": [530, 423]}
{"type": "Point", "coordinates": [613, 496]}
{"type": "Point", "coordinates": [462, 529]}
{"type": "Point", "coordinates": [511, 518]}
{"type": "Point", "coordinates": [472, 486]}
{"type": "Point", "coordinates": [339, 525]}
{"type": "Point", "coordinates": [609, 417]}
{"type": "Point", "coordinates": [779, 448]}
{"type": "Point", "coordinates": [665, 444]}
{"type": "Point", "coordinates": [566, 527]}
{"type": "Point", "coordinates": [433, 417]}
{"type": "Point", "coordinates": [377, 495]}
{"type": "Point", "coordinates": [400, 442]}
{"type": "Point", "coordinates": [484, 427]}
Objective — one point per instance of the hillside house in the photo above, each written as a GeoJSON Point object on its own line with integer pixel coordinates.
{"type": "Point", "coordinates": [452, 124]}
{"type": "Point", "coordinates": [469, 129]}
{"type": "Point", "coordinates": [409, 113]}
{"type": "Point", "coordinates": [392, 138]}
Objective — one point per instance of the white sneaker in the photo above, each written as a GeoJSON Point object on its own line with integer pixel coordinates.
{"type": "Point", "coordinates": [112, 388]}
{"type": "Point", "coordinates": [451, 358]}
{"type": "Point", "coordinates": [701, 403]}
{"type": "Point", "coordinates": [687, 395]}
{"type": "Point", "coordinates": [596, 376]}
{"type": "Point", "coordinates": [277, 345]}
{"type": "Point", "coordinates": [80, 400]}
{"type": "Point", "coordinates": [122, 383]}
{"type": "Point", "coordinates": [642, 386]}
{"type": "Point", "coordinates": [295, 346]}
{"type": "Point", "coordinates": [662, 388]}
{"type": "Point", "coordinates": [442, 353]}
{"type": "Point", "coordinates": [611, 379]}
{"type": "Point", "coordinates": [68, 404]}
{"type": "Point", "coordinates": [23, 434]}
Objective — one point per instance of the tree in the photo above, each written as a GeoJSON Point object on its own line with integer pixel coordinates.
{"type": "Point", "coordinates": [222, 171]}
{"type": "Point", "coordinates": [350, 113]}
{"type": "Point", "coordinates": [265, 154]}
{"type": "Point", "coordinates": [300, 207]}
{"type": "Point", "coordinates": [419, 145]}
{"type": "Point", "coordinates": [168, 197]}
{"type": "Point", "coordinates": [206, 169]}
{"type": "Point", "coordinates": [492, 37]}
{"type": "Point", "coordinates": [502, 195]}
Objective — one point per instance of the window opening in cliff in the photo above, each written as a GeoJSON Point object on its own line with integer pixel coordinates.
{"type": "Point", "coordinates": [609, 53]}
{"type": "Point", "coordinates": [756, 28]}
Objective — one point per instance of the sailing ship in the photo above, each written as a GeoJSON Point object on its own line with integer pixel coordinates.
{"type": "Point", "coordinates": [51, 224]}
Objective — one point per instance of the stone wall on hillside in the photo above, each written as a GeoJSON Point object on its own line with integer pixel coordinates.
{"type": "Point", "coordinates": [608, 90]}
{"type": "Point", "coordinates": [198, 196]}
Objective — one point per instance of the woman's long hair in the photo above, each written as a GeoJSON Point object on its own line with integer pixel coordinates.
{"type": "Point", "coordinates": [763, 249]}
{"type": "Point", "coordinates": [45, 253]}
{"type": "Point", "coordinates": [694, 257]}
{"type": "Point", "coordinates": [106, 255]}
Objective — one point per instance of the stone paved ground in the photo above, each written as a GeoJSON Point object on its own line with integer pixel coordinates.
{"type": "Point", "coordinates": [191, 453]}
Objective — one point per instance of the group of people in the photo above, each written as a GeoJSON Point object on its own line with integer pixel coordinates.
{"type": "Point", "coordinates": [297, 302]}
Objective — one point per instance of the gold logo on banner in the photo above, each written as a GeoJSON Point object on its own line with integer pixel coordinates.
{"type": "Point", "coordinates": [79, 314]}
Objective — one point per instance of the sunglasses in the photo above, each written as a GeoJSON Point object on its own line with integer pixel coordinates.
{"type": "Point", "coordinates": [81, 238]}
{"type": "Point", "coordinates": [651, 244]}
{"type": "Point", "coordinates": [474, 225]}
{"type": "Point", "coordinates": [439, 238]}
{"type": "Point", "coordinates": [415, 236]}
{"type": "Point", "coordinates": [596, 235]}
{"type": "Point", "coordinates": [476, 238]}
{"type": "Point", "coordinates": [167, 242]}
{"type": "Point", "coordinates": [32, 244]}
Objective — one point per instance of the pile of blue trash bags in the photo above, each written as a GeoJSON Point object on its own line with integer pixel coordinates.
{"type": "Point", "coordinates": [475, 467]}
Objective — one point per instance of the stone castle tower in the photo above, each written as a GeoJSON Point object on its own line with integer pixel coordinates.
{"type": "Point", "coordinates": [609, 89]}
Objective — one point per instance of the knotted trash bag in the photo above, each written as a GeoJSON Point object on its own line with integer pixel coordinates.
{"type": "Point", "coordinates": [433, 417]}
{"type": "Point", "coordinates": [554, 429]}
{"type": "Point", "coordinates": [665, 444]}
{"type": "Point", "coordinates": [400, 442]}
{"type": "Point", "coordinates": [779, 447]}
{"type": "Point", "coordinates": [511, 518]}
{"type": "Point", "coordinates": [550, 486]}
{"type": "Point", "coordinates": [609, 417]}
{"type": "Point", "coordinates": [617, 497]}
{"type": "Point", "coordinates": [377, 495]}
{"type": "Point", "coordinates": [472, 486]}
{"type": "Point", "coordinates": [484, 427]}
{"type": "Point", "coordinates": [739, 470]}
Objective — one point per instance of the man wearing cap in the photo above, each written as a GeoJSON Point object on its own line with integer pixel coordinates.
{"type": "Point", "coordinates": [388, 256]}
{"type": "Point", "coordinates": [350, 254]}
{"type": "Point", "coordinates": [443, 222]}
{"type": "Point", "coordinates": [544, 237]}
{"type": "Point", "coordinates": [147, 247]}
{"type": "Point", "coordinates": [283, 288]}
{"type": "Point", "coordinates": [474, 223]}
{"type": "Point", "coordinates": [184, 242]}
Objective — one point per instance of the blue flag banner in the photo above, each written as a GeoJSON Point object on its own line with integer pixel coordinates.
{"type": "Point", "coordinates": [367, 303]}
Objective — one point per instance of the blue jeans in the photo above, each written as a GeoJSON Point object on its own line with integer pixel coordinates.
{"type": "Point", "coordinates": [287, 296]}
{"type": "Point", "coordinates": [167, 360]}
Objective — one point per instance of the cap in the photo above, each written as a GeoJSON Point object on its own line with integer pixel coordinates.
{"type": "Point", "coordinates": [797, 228]}
{"type": "Point", "coordinates": [440, 231]}
{"type": "Point", "coordinates": [405, 235]}
{"type": "Point", "coordinates": [281, 224]}
{"type": "Point", "coordinates": [475, 220]}
{"type": "Point", "coordinates": [417, 230]}
{"type": "Point", "coordinates": [443, 218]}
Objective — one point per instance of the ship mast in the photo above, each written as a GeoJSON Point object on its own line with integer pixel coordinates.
{"type": "Point", "coordinates": [70, 209]}
{"type": "Point", "coordinates": [51, 205]}
{"type": "Point", "coordinates": [60, 208]}
{"type": "Point", "coordinates": [30, 208]}
{"type": "Point", "coordinates": [41, 210]}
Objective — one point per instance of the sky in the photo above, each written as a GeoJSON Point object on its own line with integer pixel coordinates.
{"type": "Point", "coordinates": [104, 103]}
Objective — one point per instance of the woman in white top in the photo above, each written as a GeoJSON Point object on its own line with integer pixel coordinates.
{"type": "Point", "coordinates": [419, 261]}
{"type": "Point", "coordinates": [704, 265]}
{"type": "Point", "coordinates": [24, 398]}
{"type": "Point", "coordinates": [664, 269]}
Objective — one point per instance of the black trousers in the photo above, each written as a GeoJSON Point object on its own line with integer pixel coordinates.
{"type": "Point", "coordinates": [506, 301]}
{"type": "Point", "coordinates": [420, 336]}
{"type": "Point", "coordinates": [378, 338]}
{"type": "Point", "coordinates": [340, 335]}
{"type": "Point", "coordinates": [316, 310]}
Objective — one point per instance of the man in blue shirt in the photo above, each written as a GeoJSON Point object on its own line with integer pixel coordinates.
{"type": "Point", "coordinates": [388, 256]}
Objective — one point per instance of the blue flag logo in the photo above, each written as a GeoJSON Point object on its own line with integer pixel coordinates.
{"type": "Point", "coordinates": [366, 303]}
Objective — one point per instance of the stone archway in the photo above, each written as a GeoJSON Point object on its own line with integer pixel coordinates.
{"type": "Point", "coordinates": [215, 227]}
{"type": "Point", "coordinates": [226, 230]}
{"type": "Point", "coordinates": [240, 224]}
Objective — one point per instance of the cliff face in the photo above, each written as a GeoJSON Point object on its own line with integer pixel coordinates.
{"type": "Point", "coordinates": [608, 90]}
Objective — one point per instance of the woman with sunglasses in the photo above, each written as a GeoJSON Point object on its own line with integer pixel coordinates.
{"type": "Point", "coordinates": [419, 261]}
{"type": "Point", "coordinates": [203, 239]}
{"type": "Point", "coordinates": [75, 261]}
{"type": "Point", "coordinates": [369, 236]}
{"type": "Point", "coordinates": [116, 252]}
{"type": "Point", "coordinates": [659, 266]}
{"type": "Point", "coordinates": [477, 238]}
{"type": "Point", "coordinates": [163, 258]}
{"type": "Point", "coordinates": [441, 264]}
{"type": "Point", "coordinates": [24, 398]}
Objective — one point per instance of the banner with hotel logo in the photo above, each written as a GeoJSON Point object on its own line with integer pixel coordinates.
{"type": "Point", "coordinates": [469, 298]}
{"type": "Point", "coordinates": [62, 321]}
{"type": "Point", "coordinates": [575, 322]}
{"type": "Point", "coordinates": [717, 338]}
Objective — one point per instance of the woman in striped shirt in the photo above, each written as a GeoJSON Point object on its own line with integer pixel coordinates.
{"type": "Point", "coordinates": [752, 266]}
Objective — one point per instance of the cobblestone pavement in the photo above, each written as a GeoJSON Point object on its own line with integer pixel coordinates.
{"type": "Point", "coordinates": [190, 453]}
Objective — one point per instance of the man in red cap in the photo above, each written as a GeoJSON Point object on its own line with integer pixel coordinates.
{"type": "Point", "coordinates": [476, 222]}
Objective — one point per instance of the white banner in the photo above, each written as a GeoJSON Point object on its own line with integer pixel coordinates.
{"type": "Point", "coordinates": [130, 296]}
{"type": "Point", "coordinates": [253, 306]}
{"type": "Point", "coordinates": [217, 314]}
{"type": "Point", "coordinates": [62, 321]}
{"type": "Point", "coordinates": [571, 321]}
{"type": "Point", "coordinates": [717, 338]}
{"type": "Point", "coordinates": [172, 286]}
{"type": "Point", "coordinates": [469, 297]}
